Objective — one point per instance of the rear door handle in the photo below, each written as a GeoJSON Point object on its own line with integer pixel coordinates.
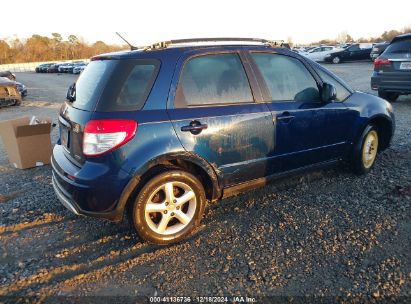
{"type": "Point", "coordinates": [285, 117]}
{"type": "Point", "coordinates": [195, 127]}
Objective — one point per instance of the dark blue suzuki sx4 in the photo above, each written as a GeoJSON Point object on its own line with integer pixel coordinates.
{"type": "Point", "coordinates": [158, 132]}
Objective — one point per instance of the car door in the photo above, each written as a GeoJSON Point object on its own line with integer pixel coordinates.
{"type": "Point", "coordinates": [305, 126]}
{"type": "Point", "coordinates": [354, 52]}
{"type": "Point", "coordinates": [314, 54]}
{"type": "Point", "coordinates": [216, 116]}
{"type": "Point", "coordinates": [326, 50]}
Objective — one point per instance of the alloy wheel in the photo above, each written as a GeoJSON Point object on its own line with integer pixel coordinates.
{"type": "Point", "coordinates": [170, 208]}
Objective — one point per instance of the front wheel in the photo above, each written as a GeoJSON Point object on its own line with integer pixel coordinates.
{"type": "Point", "coordinates": [169, 207]}
{"type": "Point", "coordinates": [365, 150]}
{"type": "Point", "coordinates": [336, 60]}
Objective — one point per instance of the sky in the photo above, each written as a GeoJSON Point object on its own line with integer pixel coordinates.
{"type": "Point", "coordinates": [145, 22]}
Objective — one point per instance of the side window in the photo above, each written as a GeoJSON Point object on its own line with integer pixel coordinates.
{"type": "Point", "coordinates": [287, 78]}
{"type": "Point", "coordinates": [213, 79]}
{"type": "Point", "coordinates": [342, 92]}
{"type": "Point", "coordinates": [137, 85]}
{"type": "Point", "coordinates": [355, 47]}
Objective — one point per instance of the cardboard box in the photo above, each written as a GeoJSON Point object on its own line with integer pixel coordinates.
{"type": "Point", "coordinates": [27, 145]}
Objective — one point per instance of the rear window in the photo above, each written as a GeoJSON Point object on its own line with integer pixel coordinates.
{"type": "Point", "coordinates": [115, 85]}
{"type": "Point", "coordinates": [399, 47]}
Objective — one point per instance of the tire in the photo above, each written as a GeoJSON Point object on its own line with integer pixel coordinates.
{"type": "Point", "coordinates": [336, 60]}
{"type": "Point", "coordinates": [168, 221]}
{"type": "Point", "coordinates": [365, 150]}
{"type": "Point", "coordinates": [389, 96]}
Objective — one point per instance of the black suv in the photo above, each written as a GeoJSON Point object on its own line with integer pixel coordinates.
{"type": "Point", "coordinates": [392, 70]}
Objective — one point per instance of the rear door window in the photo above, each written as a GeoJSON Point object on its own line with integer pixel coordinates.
{"type": "Point", "coordinates": [212, 80]}
{"type": "Point", "coordinates": [286, 78]}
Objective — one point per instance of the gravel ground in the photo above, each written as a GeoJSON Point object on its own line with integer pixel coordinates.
{"type": "Point", "coordinates": [325, 234]}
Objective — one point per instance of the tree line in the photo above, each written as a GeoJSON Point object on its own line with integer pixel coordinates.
{"type": "Point", "coordinates": [54, 48]}
{"type": "Point", "coordinates": [345, 37]}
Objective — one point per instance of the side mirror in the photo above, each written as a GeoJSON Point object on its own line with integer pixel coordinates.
{"type": "Point", "coordinates": [328, 92]}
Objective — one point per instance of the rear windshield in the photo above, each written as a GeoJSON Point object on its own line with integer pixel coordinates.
{"type": "Point", "coordinates": [399, 47]}
{"type": "Point", "coordinates": [115, 85]}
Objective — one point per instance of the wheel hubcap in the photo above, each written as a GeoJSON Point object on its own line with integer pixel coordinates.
{"type": "Point", "coordinates": [170, 208]}
{"type": "Point", "coordinates": [369, 149]}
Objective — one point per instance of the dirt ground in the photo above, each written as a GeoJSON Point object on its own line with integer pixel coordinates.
{"type": "Point", "coordinates": [326, 234]}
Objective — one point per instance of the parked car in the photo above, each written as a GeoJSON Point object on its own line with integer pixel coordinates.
{"type": "Point", "coordinates": [378, 49]}
{"type": "Point", "coordinates": [69, 66]}
{"type": "Point", "coordinates": [351, 53]}
{"type": "Point", "coordinates": [75, 65]}
{"type": "Point", "coordinates": [319, 53]}
{"type": "Point", "coordinates": [79, 68]}
{"type": "Point", "coordinates": [54, 68]}
{"type": "Point", "coordinates": [8, 75]}
{"type": "Point", "coordinates": [42, 68]}
{"type": "Point", "coordinates": [158, 143]}
{"type": "Point", "coordinates": [9, 94]}
{"type": "Point", "coordinates": [309, 48]}
{"type": "Point", "coordinates": [64, 66]}
{"type": "Point", "coordinates": [392, 69]}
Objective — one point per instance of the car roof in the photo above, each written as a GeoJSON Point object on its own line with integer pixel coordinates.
{"type": "Point", "coordinates": [181, 50]}
{"type": "Point", "coordinates": [4, 81]}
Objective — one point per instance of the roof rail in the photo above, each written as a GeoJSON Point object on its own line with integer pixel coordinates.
{"type": "Point", "coordinates": [166, 44]}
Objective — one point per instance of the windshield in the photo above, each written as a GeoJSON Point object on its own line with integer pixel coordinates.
{"type": "Point", "coordinates": [400, 47]}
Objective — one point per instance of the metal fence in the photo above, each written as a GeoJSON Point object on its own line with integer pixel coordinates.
{"type": "Point", "coordinates": [30, 66]}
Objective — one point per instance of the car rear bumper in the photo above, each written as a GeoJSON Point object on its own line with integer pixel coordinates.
{"type": "Point", "coordinates": [391, 83]}
{"type": "Point", "coordinates": [92, 190]}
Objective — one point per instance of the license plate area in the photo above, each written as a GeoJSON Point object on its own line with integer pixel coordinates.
{"type": "Point", "coordinates": [405, 65]}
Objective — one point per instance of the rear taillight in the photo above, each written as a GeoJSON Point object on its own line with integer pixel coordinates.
{"type": "Point", "coordinates": [379, 62]}
{"type": "Point", "coordinates": [101, 136]}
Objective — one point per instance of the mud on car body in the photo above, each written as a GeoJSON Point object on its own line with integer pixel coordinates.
{"type": "Point", "coordinates": [159, 131]}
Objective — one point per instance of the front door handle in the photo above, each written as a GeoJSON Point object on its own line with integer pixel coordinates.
{"type": "Point", "coordinates": [195, 127]}
{"type": "Point", "coordinates": [285, 117]}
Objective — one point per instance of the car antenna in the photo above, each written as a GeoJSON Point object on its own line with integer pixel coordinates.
{"type": "Point", "coordinates": [132, 47]}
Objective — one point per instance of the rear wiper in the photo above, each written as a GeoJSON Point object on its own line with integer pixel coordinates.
{"type": "Point", "coordinates": [71, 92]}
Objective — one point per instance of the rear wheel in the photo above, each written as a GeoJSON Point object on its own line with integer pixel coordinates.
{"type": "Point", "coordinates": [169, 207]}
{"type": "Point", "coordinates": [389, 96]}
{"type": "Point", "coordinates": [336, 60]}
{"type": "Point", "coordinates": [365, 150]}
